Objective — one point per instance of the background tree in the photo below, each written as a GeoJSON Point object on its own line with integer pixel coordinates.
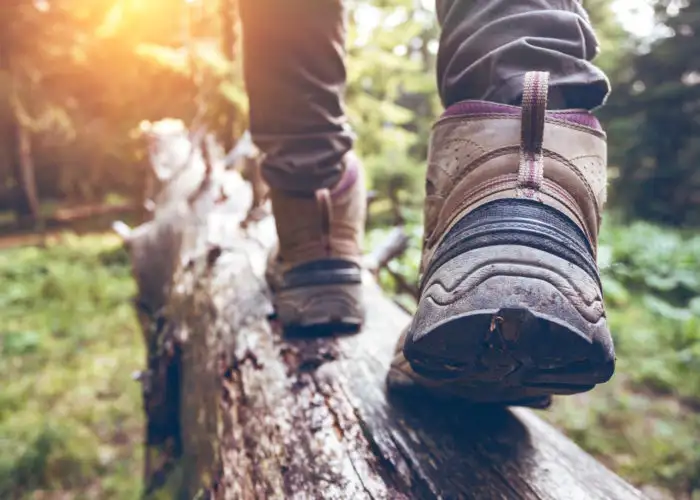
{"type": "Point", "coordinates": [654, 122]}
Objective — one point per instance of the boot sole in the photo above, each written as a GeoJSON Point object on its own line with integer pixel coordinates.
{"type": "Point", "coordinates": [510, 323]}
{"type": "Point", "coordinates": [331, 306]}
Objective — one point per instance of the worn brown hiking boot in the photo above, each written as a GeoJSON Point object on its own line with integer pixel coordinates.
{"type": "Point", "coordinates": [511, 306]}
{"type": "Point", "coordinates": [315, 274]}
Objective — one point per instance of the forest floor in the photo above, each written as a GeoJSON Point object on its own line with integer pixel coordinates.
{"type": "Point", "coordinates": [70, 414]}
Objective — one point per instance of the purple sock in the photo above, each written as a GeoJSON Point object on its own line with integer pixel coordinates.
{"type": "Point", "coordinates": [481, 108]}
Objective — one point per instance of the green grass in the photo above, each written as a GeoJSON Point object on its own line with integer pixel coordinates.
{"type": "Point", "coordinates": [70, 417]}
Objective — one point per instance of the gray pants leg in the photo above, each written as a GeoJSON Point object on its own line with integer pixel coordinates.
{"type": "Point", "coordinates": [487, 46]}
{"type": "Point", "coordinates": [294, 62]}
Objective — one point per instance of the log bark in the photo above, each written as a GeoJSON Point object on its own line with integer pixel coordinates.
{"type": "Point", "coordinates": [236, 410]}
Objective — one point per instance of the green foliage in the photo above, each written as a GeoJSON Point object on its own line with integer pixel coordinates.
{"type": "Point", "coordinates": [659, 270]}
{"type": "Point", "coordinates": [653, 118]}
{"type": "Point", "coordinates": [70, 417]}
{"type": "Point", "coordinates": [649, 259]}
{"type": "Point", "coordinates": [391, 93]}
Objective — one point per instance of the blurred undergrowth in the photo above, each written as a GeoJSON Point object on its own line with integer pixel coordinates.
{"type": "Point", "coordinates": [70, 416]}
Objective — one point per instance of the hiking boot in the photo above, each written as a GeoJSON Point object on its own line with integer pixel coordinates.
{"type": "Point", "coordinates": [511, 306]}
{"type": "Point", "coordinates": [315, 273]}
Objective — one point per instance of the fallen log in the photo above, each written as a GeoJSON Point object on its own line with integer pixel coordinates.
{"type": "Point", "coordinates": [236, 410]}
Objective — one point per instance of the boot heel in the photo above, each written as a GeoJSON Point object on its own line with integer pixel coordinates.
{"type": "Point", "coordinates": [508, 322]}
{"type": "Point", "coordinates": [336, 306]}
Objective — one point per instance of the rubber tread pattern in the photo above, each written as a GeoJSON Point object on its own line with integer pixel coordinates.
{"type": "Point", "coordinates": [517, 222]}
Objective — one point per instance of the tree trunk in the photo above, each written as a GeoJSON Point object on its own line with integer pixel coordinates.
{"type": "Point", "coordinates": [19, 152]}
{"type": "Point", "coordinates": [236, 410]}
{"type": "Point", "coordinates": [29, 206]}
